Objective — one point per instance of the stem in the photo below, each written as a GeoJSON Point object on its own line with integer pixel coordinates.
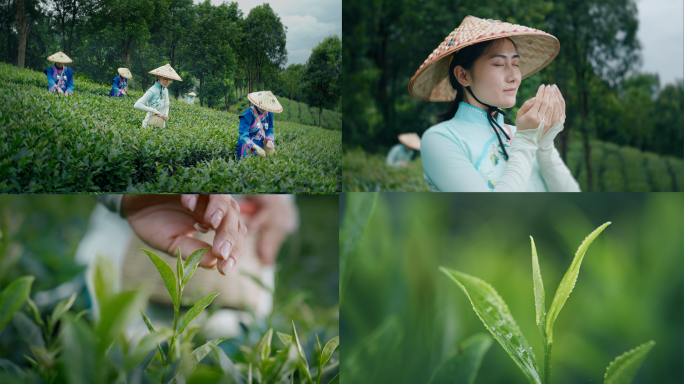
{"type": "Point", "coordinates": [547, 363]}
{"type": "Point", "coordinates": [318, 378]}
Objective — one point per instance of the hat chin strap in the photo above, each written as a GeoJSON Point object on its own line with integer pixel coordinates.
{"type": "Point", "coordinates": [493, 122]}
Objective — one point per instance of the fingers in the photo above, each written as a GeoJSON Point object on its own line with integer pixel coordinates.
{"type": "Point", "coordinates": [562, 104]}
{"type": "Point", "coordinates": [546, 106]}
{"type": "Point", "coordinates": [220, 207]}
{"type": "Point", "coordinates": [224, 216]}
{"type": "Point", "coordinates": [526, 107]}
{"type": "Point", "coordinates": [226, 266]}
{"type": "Point", "coordinates": [188, 245]}
{"type": "Point", "coordinates": [553, 106]}
{"type": "Point", "coordinates": [539, 96]}
{"type": "Point", "coordinates": [189, 202]}
{"type": "Point", "coordinates": [270, 240]}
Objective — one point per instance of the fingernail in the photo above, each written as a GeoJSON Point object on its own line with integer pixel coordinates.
{"type": "Point", "coordinates": [225, 250]}
{"type": "Point", "coordinates": [541, 86]}
{"type": "Point", "coordinates": [192, 203]}
{"type": "Point", "coordinates": [216, 219]}
{"type": "Point", "coordinates": [228, 266]}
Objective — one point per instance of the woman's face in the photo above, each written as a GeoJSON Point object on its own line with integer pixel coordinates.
{"type": "Point", "coordinates": [494, 78]}
{"type": "Point", "coordinates": [165, 82]}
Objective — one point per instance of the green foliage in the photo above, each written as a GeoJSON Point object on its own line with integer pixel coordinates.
{"type": "Point", "coordinates": [321, 79]}
{"type": "Point", "coordinates": [90, 142]}
{"type": "Point", "coordinates": [623, 369]}
{"type": "Point", "coordinates": [461, 366]}
{"type": "Point", "coordinates": [13, 297]}
{"type": "Point", "coordinates": [359, 210]}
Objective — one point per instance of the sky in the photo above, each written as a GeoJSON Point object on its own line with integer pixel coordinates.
{"type": "Point", "coordinates": [661, 33]}
{"type": "Point", "coordinates": [308, 22]}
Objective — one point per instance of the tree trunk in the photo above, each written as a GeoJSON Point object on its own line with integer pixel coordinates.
{"type": "Point", "coordinates": [320, 113]}
{"type": "Point", "coordinates": [225, 99]}
{"type": "Point", "coordinates": [74, 11]}
{"type": "Point", "coordinates": [584, 111]}
{"type": "Point", "coordinates": [23, 29]}
{"type": "Point", "coordinates": [144, 78]}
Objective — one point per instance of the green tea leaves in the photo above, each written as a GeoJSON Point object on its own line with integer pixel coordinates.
{"type": "Point", "coordinates": [13, 298]}
{"type": "Point", "coordinates": [496, 317]}
{"type": "Point", "coordinates": [104, 279]}
{"type": "Point", "coordinates": [61, 309]}
{"type": "Point", "coordinates": [568, 282]}
{"type": "Point", "coordinates": [539, 304]}
{"type": "Point", "coordinates": [328, 350]}
{"type": "Point", "coordinates": [114, 316]}
{"type": "Point", "coordinates": [461, 366]}
{"type": "Point", "coordinates": [191, 264]}
{"type": "Point", "coordinates": [263, 347]}
{"type": "Point", "coordinates": [201, 352]}
{"type": "Point", "coordinates": [195, 311]}
{"type": "Point", "coordinates": [623, 369]}
{"type": "Point", "coordinates": [302, 364]}
{"type": "Point", "coordinates": [359, 209]}
{"type": "Point", "coordinates": [167, 276]}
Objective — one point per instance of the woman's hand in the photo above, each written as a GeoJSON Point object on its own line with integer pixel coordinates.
{"type": "Point", "coordinates": [275, 217]}
{"type": "Point", "coordinates": [269, 144]}
{"type": "Point", "coordinates": [167, 222]}
{"type": "Point", "coordinates": [260, 151]}
{"type": "Point", "coordinates": [545, 106]}
{"type": "Point", "coordinates": [165, 117]}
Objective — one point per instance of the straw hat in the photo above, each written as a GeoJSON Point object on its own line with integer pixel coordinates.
{"type": "Point", "coordinates": [192, 94]}
{"type": "Point", "coordinates": [59, 57]}
{"type": "Point", "coordinates": [125, 73]}
{"type": "Point", "coordinates": [265, 100]}
{"type": "Point", "coordinates": [536, 49]}
{"type": "Point", "coordinates": [166, 71]}
{"type": "Point", "coordinates": [410, 140]}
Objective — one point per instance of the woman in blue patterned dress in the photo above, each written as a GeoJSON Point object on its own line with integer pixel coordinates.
{"type": "Point", "coordinates": [60, 78]}
{"type": "Point", "coordinates": [120, 84]}
{"type": "Point", "coordinates": [256, 125]}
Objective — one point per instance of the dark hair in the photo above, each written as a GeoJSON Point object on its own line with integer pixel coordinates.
{"type": "Point", "coordinates": [466, 58]}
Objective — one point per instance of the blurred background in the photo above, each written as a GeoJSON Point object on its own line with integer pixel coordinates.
{"type": "Point", "coordinates": [619, 69]}
{"type": "Point", "coordinates": [400, 316]}
{"type": "Point", "coordinates": [41, 234]}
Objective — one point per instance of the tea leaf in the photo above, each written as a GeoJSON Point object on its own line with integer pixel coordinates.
{"type": "Point", "coordinates": [146, 320]}
{"type": "Point", "coordinates": [201, 352]}
{"type": "Point", "coordinates": [28, 330]}
{"type": "Point", "coordinates": [61, 309]}
{"type": "Point", "coordinates": [539, 303]}
{"type": "Point", "coordinates": [191, 264]}
{"type": "Point", "coordinates": [104, 279]}
{"type": "Point", "coordinates": [303, 364]}
{"type": "Point", "coordinates": [461, 366]}
{"type": "Point", "coordinates": [567, 284]}
{"type": "Point", "coordinates": [114, 316]}
{"type": "Point", "coordinates": [359, 209]}
{"type": "Point", "coordinates": [33, 308]}
{"type": "Point", "coordinates": [77, 358]}
{"type": "Point", "coordinates": [284, 365]}
{"type": "Point", "coordinates": [12, 368]}
{"type": "Point", "coordinates": [13, 298]}
{"type": "Point", "coordinates": [318, 349]}
{"type": "Point", "coordinates": [167, 276]}
{"type": "Point", "coordinates": [143, 349]}
{"type": "Point", "coordinates": [335, 380]}
{"type": "Point", "coordinates": [231, 373]}
{"type": "Point", "coordinates": [328, 350]}
{"type": "Point", "coordinates": [623, 369]}
{"type": "Point", "coordinates": [195, 311]}
{"type": "Point", "coordinates": [496, 317]}
{"type": "Point", "coordinates": [286, 339]}
{"type": "Point", "coordinates": [179, 270]}
{"type": "Point", "coordinates": [263, 347]}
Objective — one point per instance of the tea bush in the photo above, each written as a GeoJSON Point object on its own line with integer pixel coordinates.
{"type": "Point", "coordinates": [90, 142]}
{"type": "Point", "coordinates": [363, 172]}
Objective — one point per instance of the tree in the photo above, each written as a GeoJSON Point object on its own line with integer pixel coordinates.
{"type": "Point", "coordinates": [181, 20]}
{"type": "Point", "coordinates": [264, 43]}
{"type": "Point", "coordinates": [321, 85]}
{"type": "Point", "coordinates": [293, 79]}
{"type": "Point", "coordinates": [66, 13]}
{"type": "Point", "coordinates": [23, 29]}
{"type": "Point", "coordinates": [216, 31]}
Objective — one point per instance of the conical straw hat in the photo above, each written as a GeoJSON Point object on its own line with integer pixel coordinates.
{"type": "Point", "coordinates": [536, 49]}
{"type": "Point", "coordinates": [265, 100]}
{"type": "Point", "coordinates": [411, 140]}
{"type": "Point", "coordinates": [166, 71]}
{"type": "Point", "coordinates": [59, 57]}
{"type": "Point", "coordinates": [192, 94]}
{"type": "Point", "coordinates": [125, 72]}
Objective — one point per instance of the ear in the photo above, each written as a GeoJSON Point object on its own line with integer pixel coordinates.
{"type": "Point", "coordinates": [461, 76]}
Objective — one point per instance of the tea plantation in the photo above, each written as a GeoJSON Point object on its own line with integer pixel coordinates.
{"type": "Point", "coordinates": [90, 142]}
{"type": "Point", "coordinates": [616, 169]}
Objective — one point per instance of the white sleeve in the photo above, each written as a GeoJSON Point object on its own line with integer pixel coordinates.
{"type": "Point", "coordinates": [556, 174]}
{"type": "Point", "coordinates": [449, 168]}
{"type": "Point", "coordinates": [167, 104]}
{"type": "Point", "coordinates": [140, 104]}
{"type": "Point", "coordinates": [112, 202]}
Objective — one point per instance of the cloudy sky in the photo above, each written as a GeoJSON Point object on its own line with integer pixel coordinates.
{"type": "Point", "coordinates": [661, 34]}
{"type": "Point", "coordinates": [308, 22]}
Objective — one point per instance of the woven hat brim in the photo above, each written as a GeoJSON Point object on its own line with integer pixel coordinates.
{"type": "Point", "coordinates": [59, 57]}
{"type": "Point", "coordinates": [192, 94]}
{"type": "Point", "coordinates": [265, 102]}
{"type": "Point", "coordinates": [431, 81]}
{"type": "Point", "coordinates": [167, 72]}
{"type": "Point", "coordinates": [125, 72]}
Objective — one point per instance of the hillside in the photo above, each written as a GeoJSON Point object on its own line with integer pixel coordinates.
{"type": "Point", "coordinates": [90, 142]}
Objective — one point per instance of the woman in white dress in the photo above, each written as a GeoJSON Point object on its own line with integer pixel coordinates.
{"type": "Point", "coordinates": [156, 100]}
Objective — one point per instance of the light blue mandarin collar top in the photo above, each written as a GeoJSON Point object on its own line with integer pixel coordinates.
{"type": "Point", "coordinates": [473, 114]}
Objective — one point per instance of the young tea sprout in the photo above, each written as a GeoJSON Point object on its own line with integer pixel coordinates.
{"type": "Point", "coordinates": [496, 317]}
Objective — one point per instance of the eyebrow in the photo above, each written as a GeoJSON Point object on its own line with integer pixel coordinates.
{"type": "Point", "coordinates": [503, 57]}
